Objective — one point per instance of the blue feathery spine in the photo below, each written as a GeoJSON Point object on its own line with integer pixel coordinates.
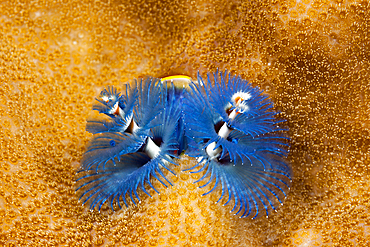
{"type": "Point", "coordinates": [138, 140]}
{"type": "Point", "coordinates": [238, 141]}
{"type": "Point", "coordinates": [226, 123]}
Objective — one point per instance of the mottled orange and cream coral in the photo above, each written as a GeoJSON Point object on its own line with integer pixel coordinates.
{"type": "Point", "coordinates": [311, 56]}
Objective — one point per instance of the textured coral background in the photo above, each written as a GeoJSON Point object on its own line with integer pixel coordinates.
{"type": "Point", "coordinates": [311, 56]}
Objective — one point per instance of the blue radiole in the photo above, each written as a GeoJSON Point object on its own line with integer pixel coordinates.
{"type": "Point", "coordinates": [228, 125]}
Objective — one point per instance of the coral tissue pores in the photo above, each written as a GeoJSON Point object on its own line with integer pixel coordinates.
{"type": "Point", "coordinates": [224, 122]}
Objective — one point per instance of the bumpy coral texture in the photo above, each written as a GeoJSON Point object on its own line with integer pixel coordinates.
{"type": "Point", "coordinates": [310, 56]}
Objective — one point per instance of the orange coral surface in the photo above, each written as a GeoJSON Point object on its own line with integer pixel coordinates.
{"type": "Point", "coordinates": [311, 56]}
